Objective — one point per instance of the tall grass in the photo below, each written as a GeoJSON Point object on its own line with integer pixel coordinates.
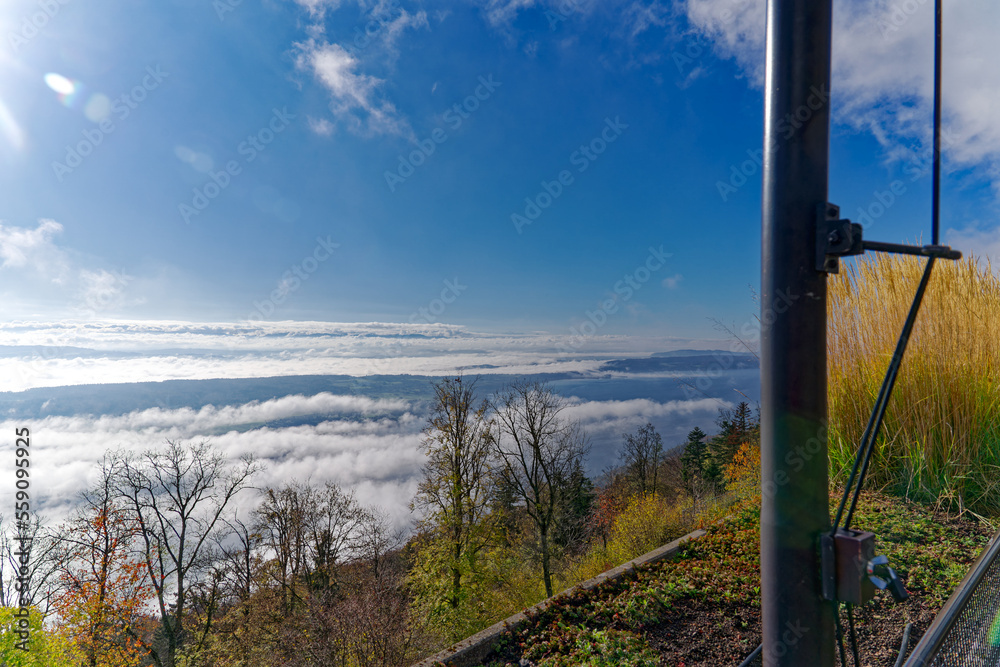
{"type": "Point", "coordinates": [941, 436]}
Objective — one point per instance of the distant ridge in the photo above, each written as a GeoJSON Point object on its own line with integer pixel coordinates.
{"type": "Point", "coordinates": [698, 353]}
{"type": "Point", "coordinates": [685, 361]}
{"type": "Point", "coordinates": [601, 384]}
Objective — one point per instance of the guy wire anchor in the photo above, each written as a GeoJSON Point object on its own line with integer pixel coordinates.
{"type": "Point", "coordinates": [836, 238]}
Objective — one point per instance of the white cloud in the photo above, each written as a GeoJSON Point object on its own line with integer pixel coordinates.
{"type": "Point", "coordinates": [882, 76]}
{"type": "Point", "coordinates": [36, 269]}
{"type": "Point", "coordinates": [640, 17]}
{"type": "Point", "coordinates": [355, 98]}
{"type": "Point", "coordinates": [639, 408]}
{"type": "Point", "coordinates": [379, 458]}
{"type": "Point", "coordinates": [102, 290]}
{"type": "Point", "coordinates": [673, 282]}
{"type": "Point", "coordinates": [394, 27]}
{"type": "Point", "coordinates": [737, 28]}
{"type": "Point", "coordinates": [133, 350]}
{"type": "Point", "coordinates": [321, 126]}
{"type": "Point", "coordinates": [501, 13]}
{"type": "Point", "coordinates": [317, 8]}
{"type": "Point", "coordinates": [34, 249]}
{"type": "Point", "coordinates": [975, 240]}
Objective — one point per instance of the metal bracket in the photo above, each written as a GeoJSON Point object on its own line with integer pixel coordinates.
{"type": "Point", "coordinates": [845, 557]}
{"type": "Point", "coordinates": [836, 238]}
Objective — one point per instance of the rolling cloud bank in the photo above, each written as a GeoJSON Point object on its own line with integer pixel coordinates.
{"type": "Point", "coordinates": [326, 402]}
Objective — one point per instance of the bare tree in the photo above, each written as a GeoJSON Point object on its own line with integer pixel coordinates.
{"type": "Point", "coordinates": [641, 452]}
{"type": "Point", "coordinates": [238, 555]}
{"type": "Point", "coordinates": [283, 520]}
{"type": "Point", "coordinates": [455, 490]}
{"type": "Point", "coordinates": [538, 451]}
{"type": "Point", "coordinates": [309, 531]}
{"type": "Point", "coordinates": [335, 521]}
{"type": "Point", "coordinates": [30, 556]}
{"type": "Point", "coordinates": [375, 539]}
{"type": "Point", "coordinates": [178, 495]}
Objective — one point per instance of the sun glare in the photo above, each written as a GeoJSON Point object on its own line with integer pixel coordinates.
{"type": "Point", "coordinates": [11, 130]}
{"type": "Point", "coordinates": [60, 84]}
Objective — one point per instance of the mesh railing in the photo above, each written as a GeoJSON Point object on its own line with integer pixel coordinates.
{"type": "Point", "coordinates": [966, 632]}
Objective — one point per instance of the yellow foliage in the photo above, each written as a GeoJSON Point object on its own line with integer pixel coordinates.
{"type": "Point", "coordinates": [743, 474]}
{"type": "Point", "coordinates": [646, 523]}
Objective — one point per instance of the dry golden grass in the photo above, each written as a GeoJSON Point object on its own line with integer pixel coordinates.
{"type": "Point", "coordinates": [941, 436]}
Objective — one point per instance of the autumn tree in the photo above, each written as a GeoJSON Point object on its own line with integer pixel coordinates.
{"type": "Point", "coordinates": [177, 496]}
{"type": "Point", "coordinates": [235, 594]}
{"type": "Point", "coordinates": [325, 585]}
{"type": "Point", "coordinates": [282, 518]}
{"type": "Point", "coordinates": [334, 524]}
{"type": "Point", "coordinates": [640, 454]}
{"type": "Point", "coordinates": [47, 646]}
{"type": "Point", "coordinates": [538, 451]}
{"type": "Point", "coordinates": [375, 539]}
{"type": "Point", "coordinates": [737, 426]}
{"type": "Point", "coordinates": [454, 494]}
{"type": "Point", "coordinates": [104, 584]}
{"type": "Point", "coordinates": [308, 532]}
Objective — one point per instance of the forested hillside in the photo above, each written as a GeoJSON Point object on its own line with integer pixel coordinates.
{"type": "Point", "coordinates": [157, 566]}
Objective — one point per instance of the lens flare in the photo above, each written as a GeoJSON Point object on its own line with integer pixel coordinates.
{"type": "Point", "coordinates": [60, 84]}
{"type": "Point", "coordinates": [70, 92]}
{"type": "Point", "coordinates": [10, 129]}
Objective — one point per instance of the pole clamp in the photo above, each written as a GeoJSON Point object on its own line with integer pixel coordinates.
{"type": "Point", "coordinates": [836, 238]}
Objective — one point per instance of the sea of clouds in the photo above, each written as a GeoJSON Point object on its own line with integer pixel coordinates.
{"type": "Point", "coordinates": [369, 444]}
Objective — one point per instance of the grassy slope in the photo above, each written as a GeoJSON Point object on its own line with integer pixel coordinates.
{"type": "Point", "coordinates": [703, 607]}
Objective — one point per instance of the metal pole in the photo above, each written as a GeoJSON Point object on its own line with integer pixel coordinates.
{"type": "Point", "coordinates": [798, 624]}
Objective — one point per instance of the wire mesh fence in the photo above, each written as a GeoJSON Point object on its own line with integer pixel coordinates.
{"type": "Point", "coordinates": [967, 630]}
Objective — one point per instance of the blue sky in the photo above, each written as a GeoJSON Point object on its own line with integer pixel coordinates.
{"type": "Point", "coordinates": [198, 189]}
{"type": "Point", "coordinates": [237, 156]}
